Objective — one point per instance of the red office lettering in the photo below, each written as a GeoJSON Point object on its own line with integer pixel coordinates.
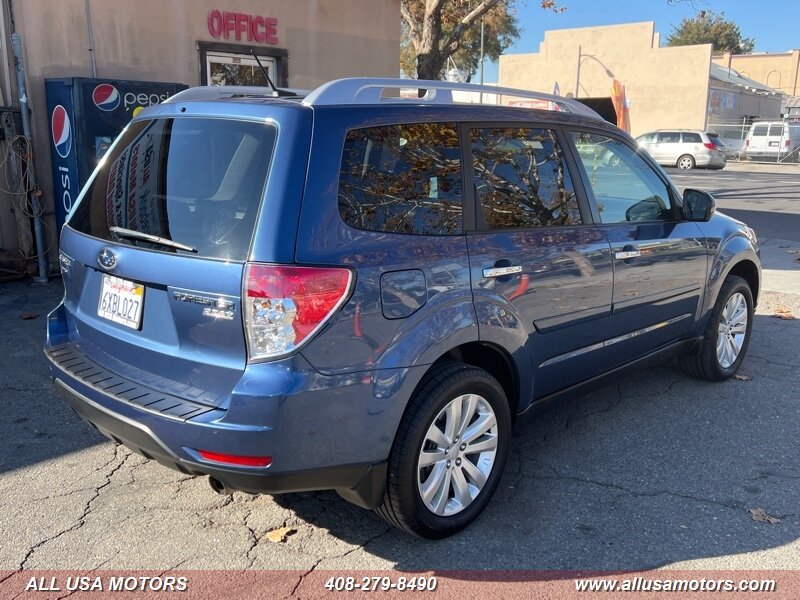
{"type": "Point", "coordinates": [271, 30]}
{"type": "Point", "coordinates": [215, 23]}
{"type": "Point", "coordinates": [229, 22]}
{"type": "Point", "coordinates": [258, 29]}
{"type": "Point", "coordinates": [241, 25]}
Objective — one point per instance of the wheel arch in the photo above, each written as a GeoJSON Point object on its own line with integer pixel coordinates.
{"type": "Point", "coordinates": [494, 360]}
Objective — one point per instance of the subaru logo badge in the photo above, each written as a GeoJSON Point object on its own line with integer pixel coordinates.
{"type": "Point", "coordinates": [107, 259]}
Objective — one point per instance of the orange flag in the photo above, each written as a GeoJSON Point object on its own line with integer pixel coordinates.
{"type": "Point", "coordinates": [620, 105]}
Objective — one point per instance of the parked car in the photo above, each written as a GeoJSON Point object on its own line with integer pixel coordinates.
{"type": "Point", "coordinates": [773, 140]}
{"type": "Point", "coordinates": [685, 148]}
{"type": "Point", "coordinates": [349, 290]}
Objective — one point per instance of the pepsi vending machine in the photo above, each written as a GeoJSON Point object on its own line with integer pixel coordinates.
{"type": "Point", "coordinates": [86, 115]}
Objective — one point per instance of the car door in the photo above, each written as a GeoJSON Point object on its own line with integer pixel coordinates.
{"type": "Point", "coordinates": [667, 147]}
{"type": "Point", "coordinates": [541, 270]}
{"type": "Point", "coordinates": [660, 261]}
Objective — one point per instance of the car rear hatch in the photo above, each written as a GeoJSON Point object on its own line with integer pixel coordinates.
{"type": "Point", "coordinates": [154, 253]}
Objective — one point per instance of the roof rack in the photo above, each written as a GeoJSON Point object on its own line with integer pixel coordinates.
{"type": "Point", "coordinates": [215, 92]}
{"type": "Point", "coordinates": [367, 90]}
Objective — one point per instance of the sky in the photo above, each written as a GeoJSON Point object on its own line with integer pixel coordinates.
{"type": "Point", "coordinates": [775, 24]}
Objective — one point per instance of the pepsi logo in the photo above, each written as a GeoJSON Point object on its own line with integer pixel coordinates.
{"type": "Point", "coordinates": [61, 129]}
{"type": "Point", "coordinates": [106, 97]}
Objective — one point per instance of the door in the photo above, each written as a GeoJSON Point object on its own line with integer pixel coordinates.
{"type": "Point", "coordinates": [541, 271]}
{"type": "Point", "coordinates": [667, 148]}
{"type": "Point", "coordinates": [660, 261]}
{"type": "Point", "coordinates": [757, 140]}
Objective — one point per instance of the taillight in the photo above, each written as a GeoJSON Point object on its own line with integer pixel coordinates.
{"type": "Point", "coordinates": [786, 143]}
{"type": "Point", "coordinates": [285, 306]}
{"type": "Point", "coordinates": [747, 143]}
{"type": "Point", "coordinates": [708, 145]}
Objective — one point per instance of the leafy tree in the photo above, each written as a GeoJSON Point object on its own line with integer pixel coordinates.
{"type": "Point", "coordinates": [433, 30]}
{"type": "Point", "coordinates": [709, 27]}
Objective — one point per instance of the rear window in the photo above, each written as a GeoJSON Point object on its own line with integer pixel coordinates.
{"type": "Point", "coordinates": [715, 139]}
{"type": "Point", "coordinates": [402, 179]}
{"type": "Point", "coordinates": [195, 183]}
{"type": "Point", "coordinates": [776, 130]}
{"type": "Point", "coordinates": [759, 131]}
{"type": "Point", "coordinates": [692, 138]}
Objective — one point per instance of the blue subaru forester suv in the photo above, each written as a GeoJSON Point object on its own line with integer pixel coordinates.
{"type": "Point", "coordinates": [355, 290]}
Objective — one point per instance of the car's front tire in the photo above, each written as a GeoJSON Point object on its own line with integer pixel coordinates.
{"type": "Point", "coordinates": [449, 452]}
{"type": "Point", "coordinates": [727, 335]}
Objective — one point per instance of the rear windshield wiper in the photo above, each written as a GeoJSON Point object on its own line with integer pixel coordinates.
{"type": "Point", "coordinates": [138, 235]}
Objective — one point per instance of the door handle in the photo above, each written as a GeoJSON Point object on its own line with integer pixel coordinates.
{"type": "Point", "coordinates": [501, 271]}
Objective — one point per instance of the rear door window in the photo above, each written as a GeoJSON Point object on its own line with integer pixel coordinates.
{"type": "Point", "coordinates": [669, 137]}
{"type": "Point", "coordinates": [402, 179]}
{"type": "Point", "coordinates": [759, 131]}
{"type": "Point", "coordinates": [691, 138]}
{"type": "Point", "coordinates": [521, 179]}
{"type": "Point", "coordinates": [195, 183]}
{"type": "Point", "coordinates": [775, 130]}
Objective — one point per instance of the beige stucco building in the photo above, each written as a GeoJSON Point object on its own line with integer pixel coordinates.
{"type": "Point", "coordinates": [780, 71]}
{"type": "Point", "coordinates": [303, 42]}
{"type": "Point", "coordinates": [665, 87]}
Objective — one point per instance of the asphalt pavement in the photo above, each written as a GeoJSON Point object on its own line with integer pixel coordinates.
{"type": "Point", "coordinates": [655, 470]}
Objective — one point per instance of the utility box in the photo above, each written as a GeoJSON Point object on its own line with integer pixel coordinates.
{"type": "Point", "coordinates": [86, 115]}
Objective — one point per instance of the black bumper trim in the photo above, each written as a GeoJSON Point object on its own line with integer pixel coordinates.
{"type": "Point", "coordinates": [75, 363]}
{"type": "Point", "coordinates": [361, 484]}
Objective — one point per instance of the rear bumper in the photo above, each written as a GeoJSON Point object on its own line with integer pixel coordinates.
{"type": "Point", "coordinates": [362, 484]}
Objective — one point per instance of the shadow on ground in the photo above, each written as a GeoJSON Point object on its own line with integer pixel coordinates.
{"type": "Point", "coordinates": [653, 470]}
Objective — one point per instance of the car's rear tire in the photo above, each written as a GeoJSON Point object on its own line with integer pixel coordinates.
{"type": "Point", "coordinates": [727, 335]}
{"type": "Point", "coordinates": [686, 162]}
{"type": "Point", "coordinates": [435, 486]}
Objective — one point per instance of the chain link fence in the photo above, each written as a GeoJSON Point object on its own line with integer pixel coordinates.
{"type": "Point", "coordinates": [733, 134]}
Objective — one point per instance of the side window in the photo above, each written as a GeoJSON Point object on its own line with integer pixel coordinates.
{"type": "Point", "coordinates": [402, 179]}
{"type": "Point", "coordinates": [646, 138]}
{"type": "Point", "coordinates": [691, 138]}
{"type": "Point", "coordinates": [625, 187]}
{"type": "Point", "coordinates": [669, 137]}
{"type": "Point", "coordinates": [521, 179]}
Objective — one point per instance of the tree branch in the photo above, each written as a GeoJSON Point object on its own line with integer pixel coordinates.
{"type": "Point", "coordinates": [467, 21]}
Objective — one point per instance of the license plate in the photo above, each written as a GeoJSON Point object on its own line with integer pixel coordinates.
{"type": "Point", "coordinates": [774, 144]}
{"type": "Point", "coordinates": [121, 301]}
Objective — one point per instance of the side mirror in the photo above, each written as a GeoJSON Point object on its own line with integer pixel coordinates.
{"type": "Point", "coordinates": [698, 205]}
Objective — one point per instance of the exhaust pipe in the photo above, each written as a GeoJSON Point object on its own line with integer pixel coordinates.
{"type": "Point", "coordinates": [218, 486]}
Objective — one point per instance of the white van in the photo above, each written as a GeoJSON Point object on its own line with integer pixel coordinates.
{"type": "Point", "coordinates": [773, 140]}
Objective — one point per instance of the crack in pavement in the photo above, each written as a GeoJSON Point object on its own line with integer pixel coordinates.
{"type": "Point", "coordinates": [638, 493]}
{"type": "Point", "coordinates": [86, 509]}
{"type": "Point", "coordinates": [357, 547]}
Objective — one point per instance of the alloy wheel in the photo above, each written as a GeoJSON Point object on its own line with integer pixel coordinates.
{"type": "Point", "coordinates": [732, 330]}
{"type": "Point", "coordinates": [457, 455]}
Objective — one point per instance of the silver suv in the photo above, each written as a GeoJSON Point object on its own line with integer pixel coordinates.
{"type": "Point", "coordinates": [685, 148]}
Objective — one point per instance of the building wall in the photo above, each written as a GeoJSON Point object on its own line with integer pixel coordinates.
{"type": "Point", "coordinates": [665, 87]}
{"type": "Point", "coordinates": [156, 40]}
{"type": "Point", "coordinates": [780, 71]}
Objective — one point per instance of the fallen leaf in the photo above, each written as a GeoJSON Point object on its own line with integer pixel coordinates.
{"type": "Point", "coordinates": [783, 312]}
{"type": "Point", "coordinates": [742, 377]}
{"type": "Point", "coordinates": [278, 536]}
{"type": "Point", "coordinates": [758, 514]}
{"type": "Point", "coordinates": [27, 316]}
